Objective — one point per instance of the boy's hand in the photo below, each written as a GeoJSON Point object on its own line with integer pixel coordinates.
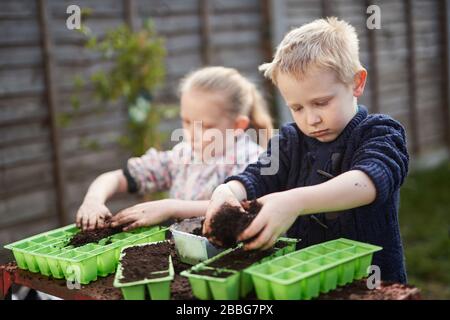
{"type": "Point", "coordinates": [276, 216]}
{"type": "Point", "coordinates": [221, 195]}
{"type": "Point", "coordinates": [144, 214]}
{"type": "Point", "coordinates": [92, 214]}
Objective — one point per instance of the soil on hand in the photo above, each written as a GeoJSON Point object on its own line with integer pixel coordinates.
{"type": "Point", "coordinates": [92, 236]}
{"type": "Point", "coordinates": [240, 259]}
{"type": "Point", "coordinates": [140, 262]}
{"type": "Point", "coordinates": [229, 222]}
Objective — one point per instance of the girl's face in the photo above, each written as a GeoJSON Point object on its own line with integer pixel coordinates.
{"type": "Point", "coordinates": [321, 105]}
{"type": "Point", "coordinates": [204, 116]}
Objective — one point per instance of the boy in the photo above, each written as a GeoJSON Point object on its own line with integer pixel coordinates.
{"type": "Point", "coordinates": [340, 169]}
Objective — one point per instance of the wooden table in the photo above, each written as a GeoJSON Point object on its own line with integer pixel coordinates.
{"type": "Point", "coordinates": [103, 289]}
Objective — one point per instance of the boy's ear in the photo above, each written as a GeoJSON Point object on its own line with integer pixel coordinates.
{"type": "Point", "coordinates": [359, 82]}
{"type": "Point", "coordinates": [242, 122]}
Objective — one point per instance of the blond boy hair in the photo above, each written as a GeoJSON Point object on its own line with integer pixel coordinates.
{"type": "Point", "coordinates": [326, 43]}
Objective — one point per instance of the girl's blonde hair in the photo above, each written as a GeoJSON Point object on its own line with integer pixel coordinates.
{"type": "Point", "coordinates": [242, 95]}
{"type": "Point", "coordinates": [328, 43]}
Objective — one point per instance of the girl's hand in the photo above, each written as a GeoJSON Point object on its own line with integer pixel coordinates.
{"type": "Point", "coordinates": [277, 214]}
{"type": "Point", "coordinates": [92, 214]}
{"type": "Point", "coordinates": [221, 195]}
{"type": "Point", "coordinates": [144, 214]}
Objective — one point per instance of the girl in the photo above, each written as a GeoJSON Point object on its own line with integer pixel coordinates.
{"type": "Point", "coordinates": [213, 101]}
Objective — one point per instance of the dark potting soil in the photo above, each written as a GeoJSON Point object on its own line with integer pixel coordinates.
{"type": "Point", "coordinates": [386, 291]}
{"type": "Point", "coordinates": [213, 273]}
{"type": "Point", "coordinates": [240, 259]}
{"type": "Point", "coordinates": [178, 266]}
{"type": "Point", "coordinates": [91, 236]}
{"type": "Point", "coordinates": [141, 261]}
{"type": "Point", "coordinates": [229, 222]}
{"type": "Point", "coordinates": [181, 288]}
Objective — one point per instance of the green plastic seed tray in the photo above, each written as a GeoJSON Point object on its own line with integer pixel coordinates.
{"type": "Point", "coordinates": [207, 287]}
{"type": "Point", "coordinates": [48, 254]}
{"type": "Point", "coordinates": [304, 274]}
{"type": "Point", "coordinates": [238, 285]}
{"type": "Point", "coordinates": [158, 287]}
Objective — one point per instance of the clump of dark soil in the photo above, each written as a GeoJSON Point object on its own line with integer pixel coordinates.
{"type": "Point", "coordinates": [140, 262]}
{"type": "Point", "coordinates": [213, 273]}
{"type": "Point", "coordinates": [92, 236]}
{"type": "Point", "coordinates": [229, 222]}
{"type": "Point", "coordinates": [240, 259]}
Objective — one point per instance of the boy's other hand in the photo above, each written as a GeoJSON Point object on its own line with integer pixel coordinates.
{"type": "Point", "coordinates": [92, 215]}
{"type": "Point", "coordinates": [276, 217]}
{"type": "Point", "coordinates": [144, 214]}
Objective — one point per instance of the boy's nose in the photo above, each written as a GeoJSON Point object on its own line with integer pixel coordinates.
{"type": "Point", "coordinates": [313, 119]}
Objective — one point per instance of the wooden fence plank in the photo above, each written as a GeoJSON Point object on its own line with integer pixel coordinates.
{"type": "Point", "coordinates": [47, 47]}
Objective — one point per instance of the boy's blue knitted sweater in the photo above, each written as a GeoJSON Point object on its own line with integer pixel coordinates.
{"type": "Point", "coordinates": [374, 144]}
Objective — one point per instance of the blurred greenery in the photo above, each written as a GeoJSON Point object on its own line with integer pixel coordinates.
{"type": "Point", "coordinates": [425, 227]}
{"type": "Point", "coordinates": [137, 69]}
{"type": "Point", "coordinates": [138, 62]}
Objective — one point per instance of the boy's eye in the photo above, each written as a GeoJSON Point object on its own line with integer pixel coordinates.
{"type": "Point", "coordinates": [321, 103]}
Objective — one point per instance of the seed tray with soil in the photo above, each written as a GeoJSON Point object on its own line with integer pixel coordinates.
{"type": "Point", "coordinates": [49, 253]}
{"type": "Point", "coordinates": [145, 269]}
{"type": "Point", "coordinates": [230, 221]}
{"type": "Point", "coordinates": [209, 283]}
{"type": "Point", "coordinates": [306, 273]}
{"type": "Point", "coordinates": [234, 261]}
{"type": "Point", "coordinates": [192, 247]}
{"type": "Point", "coordinates": [92, 236]}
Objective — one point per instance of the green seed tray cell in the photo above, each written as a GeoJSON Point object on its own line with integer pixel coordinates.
{"type": "Point", "coordinates": [238, 285]}
{"type": "Point", "coordinates": [47, 253]}
{"type": "Point", "coordinates": [306, 273]}
{"type": "Point", "coordinates": [158, 287]}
